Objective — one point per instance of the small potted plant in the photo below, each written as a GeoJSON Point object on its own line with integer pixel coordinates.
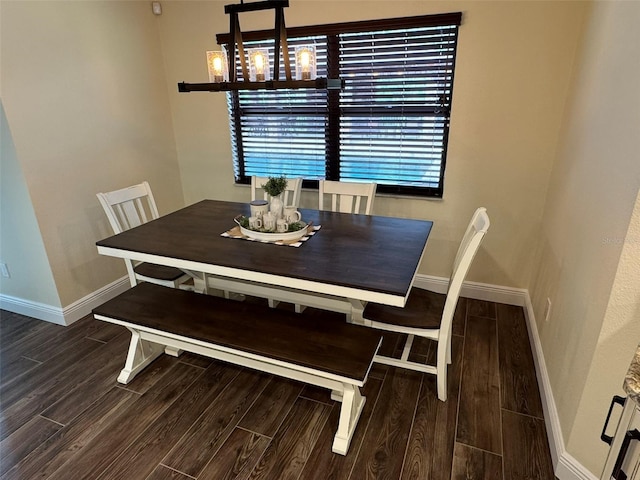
{"type": "Point", "coordinates": [274, 188]}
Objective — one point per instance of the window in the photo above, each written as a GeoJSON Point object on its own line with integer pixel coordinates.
{"type": "Point", "coordinates": [389, 124]}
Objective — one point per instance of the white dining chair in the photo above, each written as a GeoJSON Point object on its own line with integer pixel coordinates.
{"type": "Point", "coordinates": [291, 195]}
{"type": "Point", "coordinates": [127, 208]}
{"type": "Point", "coordinates": [429, 314]}
{"type": "Point", "coordinates": [347, 197]}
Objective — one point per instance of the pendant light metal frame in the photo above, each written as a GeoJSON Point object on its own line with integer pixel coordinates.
{"type": "Point", "coordinates": [280, 37]}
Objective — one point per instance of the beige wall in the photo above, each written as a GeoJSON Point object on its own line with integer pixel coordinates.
{"type": "Point", "coordinates": [616, 344]}
{"type": "Point", "coordinates": [593, 329]}
{"type": "Point", "coordinates": [82, 87]}
{"type": "Point", "coordinates": [513, 70]}
{"type": "Point", "coordinates": [30, 278]}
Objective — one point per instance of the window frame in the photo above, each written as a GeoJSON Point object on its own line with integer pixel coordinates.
{"type": "Point", "coordinates": [334, 112]}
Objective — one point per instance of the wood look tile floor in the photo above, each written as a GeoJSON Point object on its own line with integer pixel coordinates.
{"type": "Point", "coordinates": [64, 416]}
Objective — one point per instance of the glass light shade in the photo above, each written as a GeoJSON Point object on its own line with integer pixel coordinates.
{"type": "Point", "coordinates": [306, 63]}
{"type": "Point", "coordinates": [259, 70]}
{"type": "Point", "coordinates": [217, 66]}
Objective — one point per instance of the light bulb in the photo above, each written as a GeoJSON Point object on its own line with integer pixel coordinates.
{"type": "Point", "coordinates": [304, 60]}
{"type": "Point", "coordinates": [217, 65]}
{"type": "Point", "coordinates": [259, 63]}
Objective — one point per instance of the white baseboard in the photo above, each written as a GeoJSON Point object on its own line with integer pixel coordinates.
{"type": "Point", "coordinates": [83, 307]}
{"type": "Point", "coordinates": [475, 290]}
{"type": "Point", "coordinates": [41, 311]}
{"type": "Point", "coordinates": [68, 314]}
{"type": "Point", "coordinates": [566, 467]}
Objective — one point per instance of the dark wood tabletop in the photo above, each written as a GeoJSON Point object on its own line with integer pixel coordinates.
{"type": "Point", "coordinates": [370, 258]}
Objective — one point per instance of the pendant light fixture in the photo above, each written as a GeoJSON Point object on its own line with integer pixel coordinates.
{"type": "Point", "coordinates": [217, 66]}
{"type": "Point", "coordinates": [258, 75]}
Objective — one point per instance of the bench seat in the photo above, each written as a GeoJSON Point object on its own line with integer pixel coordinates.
{"type": "Point", "coordinates": [333, 355]}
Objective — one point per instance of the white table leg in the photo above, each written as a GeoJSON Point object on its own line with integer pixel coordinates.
{"type": "Point", "coordinates": [352, 405]}
{"type": "Point", "coordinates": [200, 283]}
{"type": "Point", "coordinates": [357, 309]}
{"type": "Point", "coordinates": [141, 353]}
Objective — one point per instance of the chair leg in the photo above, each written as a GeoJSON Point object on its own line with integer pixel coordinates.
{"type": "Point", "coordinates": [441, 368]}
{"type": "Point", "coordinates": [442, 383]}
{"type": "Point", "coordinates": [407, 348]}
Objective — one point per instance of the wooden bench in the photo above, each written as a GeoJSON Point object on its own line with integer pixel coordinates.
{"type": "Point", "coordinates": [333, 355]}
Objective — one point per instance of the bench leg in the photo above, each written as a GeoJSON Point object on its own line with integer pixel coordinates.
{"type": "Point", "coordinates": [174, 352]}
{"type": "Point", "coordinates": [273, 303]}
{"type": "Point", "coordinates": [352, 405]}
{"type": "Point", "coordinates": [141, 353]}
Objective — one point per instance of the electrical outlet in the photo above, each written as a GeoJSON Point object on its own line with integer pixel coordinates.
{"type": "Point", "coordinates": [547, 310]}
{"type": "Point", "coordinates": [4, 270]}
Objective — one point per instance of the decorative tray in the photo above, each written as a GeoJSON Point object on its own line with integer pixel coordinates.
{"type": "Point", "coordinates": [273, 236]}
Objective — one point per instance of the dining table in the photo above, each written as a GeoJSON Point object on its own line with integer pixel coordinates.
{"type": "Point", "coordinates": [359, 258]}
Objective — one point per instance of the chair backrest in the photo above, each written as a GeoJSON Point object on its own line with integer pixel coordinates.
{"type": "Point", "coordinates": [129, 207]}
{"type": "Point", "coordinates": [469, 245]}
{"type": "Point", "coordinates": [291, 196]}
{"type": "Point", "coordinates": [346, 196]}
